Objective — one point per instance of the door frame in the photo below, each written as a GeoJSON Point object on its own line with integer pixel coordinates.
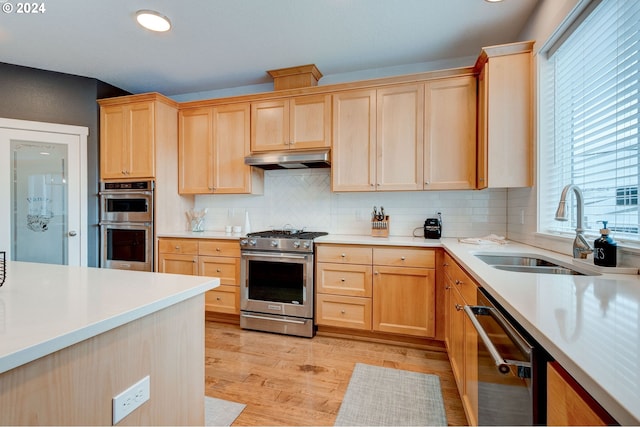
{"type": "Point", "coordinates": [81, 133]}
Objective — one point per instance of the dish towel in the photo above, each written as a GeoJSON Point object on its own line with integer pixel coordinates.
{"type": "Point", "coordinates": [491, 239]}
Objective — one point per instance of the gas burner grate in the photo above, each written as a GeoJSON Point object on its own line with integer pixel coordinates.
{"type": "Point", "coordinates": [288, 234]}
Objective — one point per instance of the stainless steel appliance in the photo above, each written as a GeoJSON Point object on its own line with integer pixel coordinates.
{"type": "Point", "coordinates": [511, 368]}
{"type": "Point", "coordinates": [276, 276]}
{"type": "Point", "coordinates": [126, 225]}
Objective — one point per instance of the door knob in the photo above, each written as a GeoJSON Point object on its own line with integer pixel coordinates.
{"type": "Point", "coordinates": [73, 233]}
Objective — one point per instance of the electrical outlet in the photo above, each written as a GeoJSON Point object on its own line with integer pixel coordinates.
{"type": "Point", "coordinates": [130, 399]}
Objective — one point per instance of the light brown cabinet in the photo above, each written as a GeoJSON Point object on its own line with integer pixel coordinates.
{"type": "Point", "coordinates": [295, 123]}
{"type": "Point", "coordinates": [450, 134]}
{"type": "Point", "coordinates": [132, 131]}
{"type": "Point", "coordinates": [379, 289]}
{"type": "Point", "coordinates": [206, 257]}
{"type": "Point", "coordinates": [568, 404]}
{"type": "Point", "coordinates": [344, 286]}
{"type": "Point", "coordinates": [378, 139]}
{"type": "Point", "coordinates": [505, 116]}
{"type": "Point", "coordinates": [460, 335]}
{"type": "Point", "coordinates": [213, 142]}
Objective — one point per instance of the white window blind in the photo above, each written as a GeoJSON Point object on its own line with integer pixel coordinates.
{"type": "Point", "coordinates": [590, 102]}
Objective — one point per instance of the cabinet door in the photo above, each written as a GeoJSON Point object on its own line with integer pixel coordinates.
{"type": "Point", "coordinates": [270, 125]}
{"type": "Point", "coordinates": [223, 299]}
{"type": "Point", "coordinates": [400, 138]}
{"type": "Point", "coordinates": [404, 300]}
{"type": "Point", "coordinates": [353, 152]}
{"type": "Point", "coordinates": [113, 137]}
{"type": "Point", "coordinates": [456, 337]}
{"type": "Point", "coordinates": [141, 154]}
{"type": "Point", "coordinates": [231, 143]}
{"type": "Point", "coordinates": [569, 404]}
{"type": "Point", "coordinates": [195, 148]}
{"type": "Point", "coordinates": [310, 121]}
{"type": "Point", "coordinates": [506, 96]}
{"type": "Point", "coordinates": [227, 269]}
{"type": "Point", "coordinates": [450, 134]}
{"type": "Point", "coordinates": [178, 264]}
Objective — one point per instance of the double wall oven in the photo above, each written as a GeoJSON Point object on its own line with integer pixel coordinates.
{"type": "Point", "coordinates": [126, 225]}
{"type": "Point", "coordinates": [276, 276]}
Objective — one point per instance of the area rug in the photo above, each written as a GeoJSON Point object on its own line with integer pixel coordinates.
{"type": "Point", "coordinates": [219, 412]}
{"type": "Point", "coordinates": [379, 396]}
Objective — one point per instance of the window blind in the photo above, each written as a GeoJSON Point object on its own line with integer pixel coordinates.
{"type": "Point", "coordinates": [590, 93]}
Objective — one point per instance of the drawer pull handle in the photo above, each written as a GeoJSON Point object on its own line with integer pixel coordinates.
{"type": "Point", "coordinates": [402, 258]}
{"type": "Point", "coordinates": [342, 311]}
{"type": "Point", "coordinates": [178, 247]}
{"type": "Point", "coordinates": [342, 280]}
{"type": "Point", "coordinates": [218, 298]}
{"type": "Point", "coordinates": [343, 255]}
{"type": "Point", "coordinates": [218, 270]}
{"type": "Point", "coordinates": [218, 249]}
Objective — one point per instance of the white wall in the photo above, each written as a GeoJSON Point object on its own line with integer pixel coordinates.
{"type": "Point", "coordinates": [303, 199]}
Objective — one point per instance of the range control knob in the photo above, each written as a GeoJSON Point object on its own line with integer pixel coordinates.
{"type": "Point", "coordinates": [296, 244]}
{"type": "Point", "coordinates": [252, 242]}
{"type": "Point", "coordinates": [274, 243]}
{"type": "Point", "coordinates": [243, 242]}
{"type": "Point", "coordinates": [307, 245]}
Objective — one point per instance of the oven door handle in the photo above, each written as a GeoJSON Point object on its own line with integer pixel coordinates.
{"type": "Point", "coordinates": [501, 363]}
{"type": "Point", "coordinates": [252, 316]}
{"type": "Point", "coordinates": [279, 255]}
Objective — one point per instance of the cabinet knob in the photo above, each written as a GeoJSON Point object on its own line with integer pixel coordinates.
{"type": "Point", "coordinates": [445, 264]}
{"type": "Point", "coordinates": [458, 282]}
{"type": "Point", "coordinates": [218, 270]}
{"type": "Point", "coordinates": [343, 255]}
{"type": "Point", "coordinates": [342, 280]}
{"type": "Point", "coordinates": [459, 307]}
{"type": "Point", "coordinates": [218, 298]}
{"type": "Point", "coordinates": [447, 287]}
{"type": "Point", "coordinates": [375, 272]}
{"type": "Point", "coordinates": [402, 258]}
{"type": "Point", "coordinates": [218, 249]}
{"type": "Point", "coordinates": [427, 183]}
{"type": "Point", "coordinates": [178, 247]}
{"type": "Point", "coordinates": [342, 311]}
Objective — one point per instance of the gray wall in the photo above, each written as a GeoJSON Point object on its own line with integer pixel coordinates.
{"type": "Point", "coordinates": [46, 96]}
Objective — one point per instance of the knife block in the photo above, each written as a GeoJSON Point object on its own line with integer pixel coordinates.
{"type": "Point", "coordinates": [380, 228]}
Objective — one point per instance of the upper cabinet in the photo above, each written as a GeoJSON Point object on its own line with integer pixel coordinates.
{"type": "Point", "coordinates": [213, 142]}
{"type": "Point", "coordinates": [450, 134]}
{"type": "Point", "coordinates": [505, 111]}
{"type": "Point", "coordinates": [378, 139]}
{"type": "Point", "coordinates": [293, 123]}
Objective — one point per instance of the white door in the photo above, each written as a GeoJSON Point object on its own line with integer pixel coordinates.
{"type": "Point", "coordinates": [43, 178]}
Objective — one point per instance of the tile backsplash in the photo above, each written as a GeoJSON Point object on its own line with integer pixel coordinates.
{"type": "Point", "coordinates": [302, 198]}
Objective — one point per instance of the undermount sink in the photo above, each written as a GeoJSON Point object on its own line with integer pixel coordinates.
{"type": "Point", "coordinates": [526, 263]}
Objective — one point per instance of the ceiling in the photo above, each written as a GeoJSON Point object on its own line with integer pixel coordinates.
{"type": "Point", "coordinates": [217, 44]}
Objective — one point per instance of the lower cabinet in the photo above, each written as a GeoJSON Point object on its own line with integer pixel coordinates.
{"type": "Point", "coordinates": [206, 257]}
{"type": "Point", "coordinates": [568, 404]}
{"type": "Point", "coordinates": [379, 289]}
{"type": "Point", "coordinates": [460, 335]}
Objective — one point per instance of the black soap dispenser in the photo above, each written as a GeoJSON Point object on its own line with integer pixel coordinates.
{"type": "Point", "coordinates": [605, 249]}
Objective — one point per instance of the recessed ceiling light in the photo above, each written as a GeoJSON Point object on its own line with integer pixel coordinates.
{"type": "Point", "coordinates": [152, 20]}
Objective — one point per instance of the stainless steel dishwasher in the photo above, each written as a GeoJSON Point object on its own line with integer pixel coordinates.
{"type": "Point", "coordinates": [511, 368]}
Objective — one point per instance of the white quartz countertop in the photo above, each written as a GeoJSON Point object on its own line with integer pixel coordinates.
{"type": "Point", "coordinates": [45, 308]}
{"type": "Point", "coordinates": [202, 235]}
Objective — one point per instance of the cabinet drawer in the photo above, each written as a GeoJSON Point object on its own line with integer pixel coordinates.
{"type": "Point", "coordinates": [344, 279]}
{"type": "Point", "coordinates": [344, 254]}
{"type": "Point", "coordinates": [223, 299]}
{"type": "Point", "coordinates": [178, 264]}
{"type": "Point", "coordinates": [404, 257]}
{"type": "Point", "coordinates": [178, 246]}
{"type": "Point", "coordinates": [219, 248]}
{"type": "Point", "coordinates": [344, 312]}
{"type": "Point", "coordinates": [227, 269]}
{"type": "Point", "coordinates": [460, 279]}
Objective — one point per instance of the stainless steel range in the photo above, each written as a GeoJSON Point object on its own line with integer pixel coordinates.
{"type": "Point", "coordinates": [276, 276]}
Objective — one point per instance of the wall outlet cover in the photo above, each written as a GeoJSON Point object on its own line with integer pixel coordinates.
{"type": "Point", "coordinates": [130, 399]}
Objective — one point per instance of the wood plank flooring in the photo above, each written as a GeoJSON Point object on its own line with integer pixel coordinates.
{"type": "Point", "coordinates": [296, 381]}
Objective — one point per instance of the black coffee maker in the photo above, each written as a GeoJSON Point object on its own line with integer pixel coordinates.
{"type": "Point", "coordinates": [433, 227]}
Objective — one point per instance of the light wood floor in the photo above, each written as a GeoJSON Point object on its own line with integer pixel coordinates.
{"type": "Point", "coordinates": [295, 381]}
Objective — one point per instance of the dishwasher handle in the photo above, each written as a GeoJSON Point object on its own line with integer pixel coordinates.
{"type": "Point", "coordinates": [502, 364]}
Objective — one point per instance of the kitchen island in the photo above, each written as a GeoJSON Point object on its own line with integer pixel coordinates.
{"type": "Point", "coordinates": [72, 338]}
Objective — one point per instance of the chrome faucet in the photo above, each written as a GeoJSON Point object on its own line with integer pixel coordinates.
{"type": "Point", "coordinates": [581, 248]}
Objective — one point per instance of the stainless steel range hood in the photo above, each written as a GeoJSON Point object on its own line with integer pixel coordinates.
{"type": "Point", "coordinates": [290, 159]}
